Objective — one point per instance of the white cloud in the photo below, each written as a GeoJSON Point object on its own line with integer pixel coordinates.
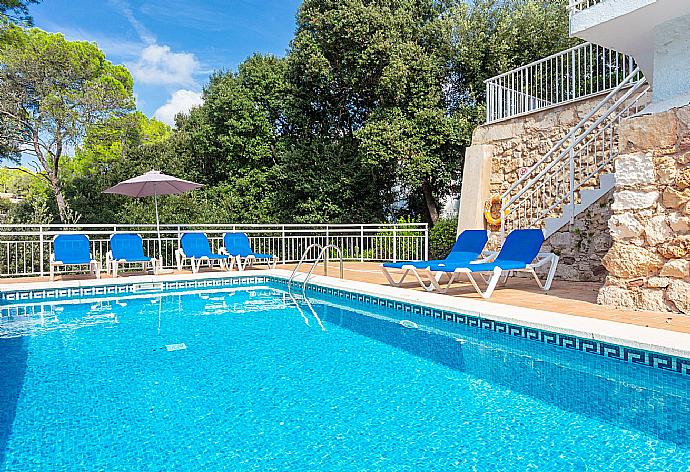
{"type": "Point", "coordinates": [159, 65]}
{"type": "Point", "coordinates": [180, 102]}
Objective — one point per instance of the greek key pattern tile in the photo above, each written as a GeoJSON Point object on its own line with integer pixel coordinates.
{"type": "Point", "coordinates": [120, 289]}
{"type": "Point", "coordinates": [657, 360]}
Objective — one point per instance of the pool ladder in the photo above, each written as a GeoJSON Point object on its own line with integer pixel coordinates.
{"type": "Point", "coordinates": [323, 253]}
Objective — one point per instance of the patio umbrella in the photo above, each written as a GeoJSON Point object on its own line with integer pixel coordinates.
{"type": "Point", "coordinates": [153, 183]}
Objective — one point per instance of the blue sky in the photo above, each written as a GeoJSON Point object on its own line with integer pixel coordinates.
{"type": "Point", "coordinates": [172, 46]}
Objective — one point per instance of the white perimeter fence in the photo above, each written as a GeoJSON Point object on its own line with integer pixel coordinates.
{"type": "Point", "coordinates": [25, 249]}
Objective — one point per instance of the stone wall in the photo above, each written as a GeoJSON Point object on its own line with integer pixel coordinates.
{"type": "Point", "coordinates": [649, 262]}
{"type": "Point", "coordinates": [582, 246]}
{"type": "Point", "coordinates": [521, 142]}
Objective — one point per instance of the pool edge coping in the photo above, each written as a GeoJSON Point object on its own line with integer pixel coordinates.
{"type": "Point", "coordinates": [625, 334]}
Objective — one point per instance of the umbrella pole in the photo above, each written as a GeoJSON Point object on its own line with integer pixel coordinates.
{"type": "Point", "coordinates": [158, 230]}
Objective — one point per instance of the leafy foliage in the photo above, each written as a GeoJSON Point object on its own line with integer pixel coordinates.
{"type": "Point", "coordinates": [366, 118]}
{"type": "Point", "coordinates": [51, 90]}
{"type": "Point", "coordinates": [494, 36]}
{"type": "Point", "coordinates": [16, 11]}
{"type": "Point", "coordinates": [442, 237]}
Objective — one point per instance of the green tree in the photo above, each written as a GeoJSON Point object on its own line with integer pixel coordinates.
{"type": "Point", "coordinates": [370, 75]}
{"type": "Point", "coordinates": [425, 148]}
{"type": "Point", "coordinates": [51, 90]}
{"type": "Point", "coordinates": [490, 37]}
{"type": "Point", "coordinates": [235, 131]}
{"type": "Point", "coordinates": [374, 104]}
{"type": "Point", "coordinates": [16, 181]}
{"type": "Point", "coordinates": [112, 151]}
{"type": "Point", "coordinates": [16, 11]}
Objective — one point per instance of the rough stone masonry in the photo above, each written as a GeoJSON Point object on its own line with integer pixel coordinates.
{"type": "Point", "coordinates": [649, 262]}
{"type": "Point", "coordinates": [519, 143]}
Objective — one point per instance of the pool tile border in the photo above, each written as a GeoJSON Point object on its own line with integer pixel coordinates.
{"type": "Point", "coordinates": [665, 362]}
{"type": "Point", "coordinates": [46, 294]}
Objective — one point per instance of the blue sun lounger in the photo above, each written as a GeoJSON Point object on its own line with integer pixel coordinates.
{"type": "Point", "coordinates": [196, 248]}
{"type": "Point", "coordinates": [467, 247]}
{"type": "Point", "coordinates": [237, 246]}
{"type": "Point", "coordinates": [72, 250]}
{"type": "Point", "coordinates": [520, 253]}
{"type": "Point", "coordinates": [127, 248]}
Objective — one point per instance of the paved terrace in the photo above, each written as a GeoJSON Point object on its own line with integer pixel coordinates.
{"type": "Point", "coordinates": [570, 298]}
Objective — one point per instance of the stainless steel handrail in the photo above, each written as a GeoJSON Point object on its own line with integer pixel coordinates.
{"type": "Point", "coordinates": [301, 261]}
{"type": "Point", "coordinates": [323, 251]}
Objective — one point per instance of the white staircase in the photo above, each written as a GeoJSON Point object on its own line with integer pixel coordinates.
{"type": "Point", "coordinates": [578, 170]}
{"type": "Point", "coordinates": [587, 198]}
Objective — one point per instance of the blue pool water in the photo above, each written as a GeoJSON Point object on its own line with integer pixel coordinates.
{"type": "Point", "coordinates": [259, 385]}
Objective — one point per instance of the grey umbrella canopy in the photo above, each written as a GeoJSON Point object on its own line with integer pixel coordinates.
{"type": "Point", "coordinates": [153, 183]}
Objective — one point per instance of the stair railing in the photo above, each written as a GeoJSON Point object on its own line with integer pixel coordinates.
{"type": "Point", "coordinates": [576, 73]}
{"type": "Point", "coordinates": [579, 156]}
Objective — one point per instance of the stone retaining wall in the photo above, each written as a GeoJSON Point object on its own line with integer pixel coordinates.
{"type": "Point", "coordinates": [521, 142]}
{"type": "Point", "coordinates": [649, 262]}
{"type": "Point", "coordinates": [582, 246]}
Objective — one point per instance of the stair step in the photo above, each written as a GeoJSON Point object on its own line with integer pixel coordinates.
{"type": "Point", "coordinates": [607, 182]}
{"type": "Point", "coordinates": [551, 225]}
{"type": "Point", "coordinates": [587, 198]}
{"type": "Point", "coordinates": [557, 173]}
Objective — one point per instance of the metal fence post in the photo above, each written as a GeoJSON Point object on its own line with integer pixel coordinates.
{"type": "Point", "coordinates": [40, 250]}
{"type": "Point", "coordinates": [179, 236]}
{"type": "Point", "coordinates": [426, 241]}
{"type": "Point", "coordinates": [282, 244]}
{"type": "Point", "coordinates": [395, 243]}
{"type": "Point", "coordinates": [489, 102]}
{"type": "Point", "coordinates": [361, 243]}
{"type": "Point", "coordinates": [325, 256]}
{"type": "Point", "coordinates": [504, 217]}
{"type": "Point", "coordinates": [573, 74]}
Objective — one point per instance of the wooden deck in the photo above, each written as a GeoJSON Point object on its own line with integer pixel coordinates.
{"type": "Point", "coordinates": [571, 298]}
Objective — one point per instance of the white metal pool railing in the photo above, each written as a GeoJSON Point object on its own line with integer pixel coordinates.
{"type": "Point", "coordinates": [579, 5]}
{"type": "Point", "coordinates": [580, 72]}
{"type": "Point", "coordinates": [25, 249]}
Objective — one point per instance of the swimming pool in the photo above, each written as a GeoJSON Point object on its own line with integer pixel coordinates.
{"type": "Point", "coordinates": [244, 377]}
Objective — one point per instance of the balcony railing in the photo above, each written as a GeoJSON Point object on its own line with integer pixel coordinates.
{"type": "Point", "coordinates": [579, 5]}
{"type": "Point", "coordinates": [580, 72]}
{"type": "Point", "coordinates": [25, 249]}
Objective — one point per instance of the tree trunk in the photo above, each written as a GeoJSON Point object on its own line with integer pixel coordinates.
{"type": "Point", "coordinates": [59, 197]}
{"type": "Point", "coordinates": [429, 201]}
